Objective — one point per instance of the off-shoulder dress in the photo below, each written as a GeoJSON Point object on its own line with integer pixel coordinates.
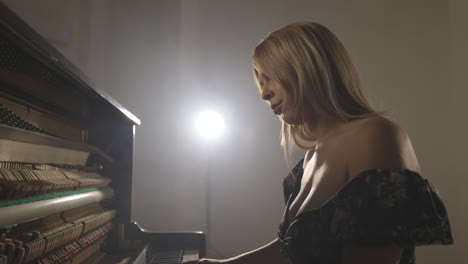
{"type": "Point", "coordinates": [378, 207]}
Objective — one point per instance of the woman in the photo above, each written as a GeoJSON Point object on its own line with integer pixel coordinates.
{"type": "Point", "coordinates": [357, 196]}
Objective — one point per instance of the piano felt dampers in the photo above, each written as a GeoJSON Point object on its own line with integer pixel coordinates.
{"type": "Point", "coordinates": [54, 244]}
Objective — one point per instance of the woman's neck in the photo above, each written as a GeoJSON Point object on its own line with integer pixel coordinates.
{"type": "Point", "coordinates": [325, 128]}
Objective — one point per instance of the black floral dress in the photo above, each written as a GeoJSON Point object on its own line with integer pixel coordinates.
{"type": "Point", "coordinates": [377, 208]}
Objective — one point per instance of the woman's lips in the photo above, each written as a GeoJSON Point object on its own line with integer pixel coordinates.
{"type": "Point", "coordinates": [277, 109]}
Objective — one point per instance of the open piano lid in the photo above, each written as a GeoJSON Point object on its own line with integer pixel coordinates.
{"type": "Point", "coordinates": [20, 33]}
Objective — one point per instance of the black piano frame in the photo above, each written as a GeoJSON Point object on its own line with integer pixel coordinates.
{"type": "Point", "coordinates": [107, 125]}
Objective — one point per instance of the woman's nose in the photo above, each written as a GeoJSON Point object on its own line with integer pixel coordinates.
{"type": "Point", "coordinates": [267, 94]}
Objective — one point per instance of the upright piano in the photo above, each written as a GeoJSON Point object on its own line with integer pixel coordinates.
{"type": "Point", "coordinates": [66, 164]}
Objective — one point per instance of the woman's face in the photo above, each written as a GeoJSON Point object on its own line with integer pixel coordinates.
{"type": "Point", "coordinates": [278, 99]}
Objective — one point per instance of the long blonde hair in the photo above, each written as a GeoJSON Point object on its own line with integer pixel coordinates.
{"type": "Point", "coordinates": [313, 66]}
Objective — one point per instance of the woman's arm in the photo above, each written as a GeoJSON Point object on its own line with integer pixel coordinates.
{"type": "Point", "coordinates": [267, 254]}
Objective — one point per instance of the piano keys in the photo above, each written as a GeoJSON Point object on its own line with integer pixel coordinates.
{"type": "Point", "coordinates": [66, 164]}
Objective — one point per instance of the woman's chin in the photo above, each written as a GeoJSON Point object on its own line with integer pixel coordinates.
{"type": "Point", "coordinates": [289, 120]}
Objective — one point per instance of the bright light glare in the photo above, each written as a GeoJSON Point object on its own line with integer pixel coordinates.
{"type": "Point", "coordinates": [209, 124]}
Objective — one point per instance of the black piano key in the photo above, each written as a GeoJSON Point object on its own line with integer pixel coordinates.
{"type": "Point", "coordinates": [168, 257]}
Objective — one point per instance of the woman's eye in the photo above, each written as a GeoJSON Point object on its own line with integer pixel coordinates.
{"type": "Point", "coordinates": [264, 77]}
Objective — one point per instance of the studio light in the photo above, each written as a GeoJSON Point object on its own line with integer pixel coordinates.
{"type": "Point", "coordinates": [209, 125]}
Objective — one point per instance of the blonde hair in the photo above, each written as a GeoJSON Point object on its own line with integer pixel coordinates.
{"type": "Point", "coordinates": [313, 66]}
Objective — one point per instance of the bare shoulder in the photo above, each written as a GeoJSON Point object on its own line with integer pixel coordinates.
{"type": "Point", "coordinates": [378, 143]}
{"type": "Point", "coordinates": [376, 128]}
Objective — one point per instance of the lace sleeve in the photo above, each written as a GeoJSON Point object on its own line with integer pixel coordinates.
{"type": "Point", "coordinates": [391, 207]}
